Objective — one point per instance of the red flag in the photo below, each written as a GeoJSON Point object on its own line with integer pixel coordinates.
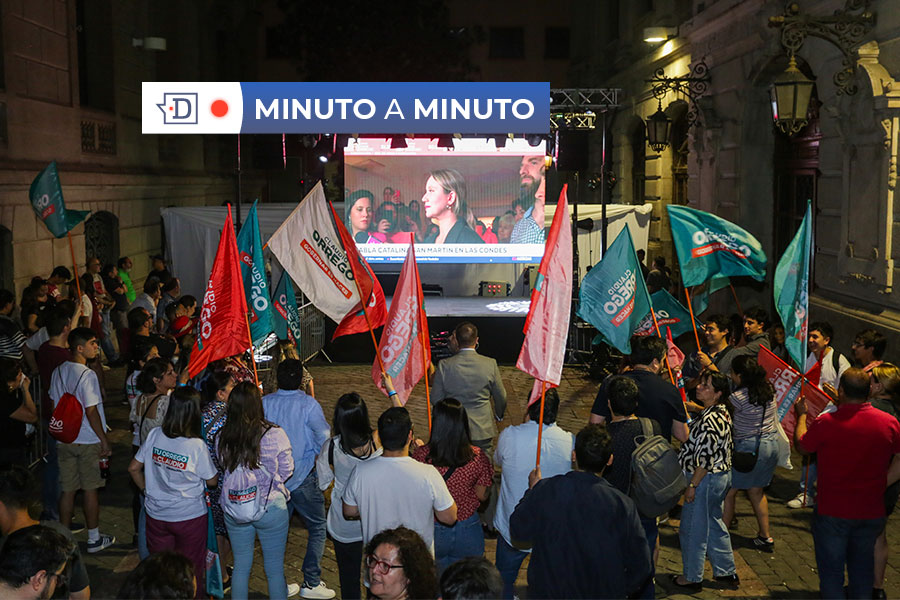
{"type": "Point", "coordinates": [786, 382]}
{"type": "Point", "coordinates": [402, 350]}
{"type": "Point", "coordinates": [676, 359]}
{"type": "Point", "coordinates": [547, 324]}
{"type": "Point", "coordinates": [370, 288]}
{"type": "Point", "coordinates": [222, 330]}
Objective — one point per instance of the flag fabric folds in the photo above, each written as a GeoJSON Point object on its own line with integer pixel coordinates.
{"type": "Point", "coordinates": [786, 382]}
{"type": "Point", "coordinates": [669, 314]}
{"type": "Point", "coordinates": [287, 316]}
{"type": "Point", "coordinates": [375, 314]}
{"type": "Point", "coordinates": [700, 295]}
{"type": "Point", "coordinates": [256, 285]}
{"type": "Point", "coordinates": [676, 358]}
{"type": "Point", "coordinates": [222, 328]}
{"type": "Point", "coordinates": [403, 352]}
{"type": "Point", "coordinates": [547, 325]}
{"type": "Point", "coordinates": [47, 202]}
{"type": "Point", "coordinates": [614, 296]}
{"type": "Point", "coordinates": [791, 289]}
{"type": "Point", "coordinates": [709, 246]}
{"type": "Point", "coordinates": [309, 247]}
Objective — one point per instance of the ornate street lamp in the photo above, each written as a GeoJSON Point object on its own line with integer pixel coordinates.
{"type": "Point", "coordinates": [693, 85]}
{"type": "Point", "coordinates": [790, 95]}
{"type": "Point", "coordinates": [658, 127]}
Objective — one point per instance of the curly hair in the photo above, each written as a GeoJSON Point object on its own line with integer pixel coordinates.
{"type": "Point", "coordinates": [415, 557]}
{"type": "Point", "coordinates": [754, 378]}
{"type": "Point", "coordinates": [166, 574]}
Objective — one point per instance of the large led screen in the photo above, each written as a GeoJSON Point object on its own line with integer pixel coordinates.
{"type": "Point", "coordinates": [473, 203]}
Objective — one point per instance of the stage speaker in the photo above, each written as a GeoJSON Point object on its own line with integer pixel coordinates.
{"type": "Point", "coordinates": [573, 150]}
{"type": "Point", "coordinates": [493, 289]}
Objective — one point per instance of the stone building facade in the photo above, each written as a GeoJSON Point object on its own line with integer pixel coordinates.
{"type": "Point", "coordinates": [733, 161]}
{"type": "Point", "coordinates": [70, 85]}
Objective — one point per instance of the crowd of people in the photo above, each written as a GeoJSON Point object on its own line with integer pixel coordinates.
{"type": "Point", "coordinates": [444, 214]}
{"type": "Point", "coordinates": [408, 517]}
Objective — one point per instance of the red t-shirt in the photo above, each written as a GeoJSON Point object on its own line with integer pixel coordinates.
{"type": "Point", "coordinates": [49, 357]}
{"type": "Point", "coordinates": [478, 471]}
{"type": "Point", "coordinates": [855, 445]}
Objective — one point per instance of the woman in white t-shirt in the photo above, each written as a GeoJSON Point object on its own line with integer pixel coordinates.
{"type": "Point", "coordinates": [352, 444]}
{"type": "Point", "coordinates": [172, 467]}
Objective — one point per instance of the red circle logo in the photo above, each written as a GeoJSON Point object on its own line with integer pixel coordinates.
{"type": "Point", "coordinates": [219, 108]}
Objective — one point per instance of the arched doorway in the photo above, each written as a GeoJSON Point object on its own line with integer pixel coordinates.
{"type": "Point", "coordinates": [6, 259]}
{"type": "Point", "coordinates": [101, 237]}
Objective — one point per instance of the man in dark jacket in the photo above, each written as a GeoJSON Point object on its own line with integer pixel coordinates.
{"type": "Point", "coordinates": [586, 535]}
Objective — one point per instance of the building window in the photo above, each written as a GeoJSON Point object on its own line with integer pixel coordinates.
{"type": "Point", "coordinates": [556, 43]}
{"type": "Point", "coordinates": [95, 54]}
{"type": "Point", "coordinates": [101, 237]}
{"type": "Point", "coordinates": [507, 42]}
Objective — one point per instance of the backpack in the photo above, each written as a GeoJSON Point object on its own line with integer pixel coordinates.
{"type": "Point", "coordinates": [241, 498]}
{"type": "Point", "coordinates": [657, 480]}
{"type": "Point", "coordinates": [65, 422]}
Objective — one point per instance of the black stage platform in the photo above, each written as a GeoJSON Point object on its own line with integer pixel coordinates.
{"type": "Point", "coordinates": [499, 321]}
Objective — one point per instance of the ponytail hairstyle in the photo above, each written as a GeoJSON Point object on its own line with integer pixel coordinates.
{"type": "Point", "coordinates": [753, 377]}
{"type": "Point", "coordinates": [245, 424]}
{"type": "Point", "coordinates": [154, 369]}
{"type": "Point", "coordinates": [215, 383]}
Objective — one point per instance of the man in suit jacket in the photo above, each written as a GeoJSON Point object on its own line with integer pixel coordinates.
{"type": "Point", "coordinates": [472, 379]}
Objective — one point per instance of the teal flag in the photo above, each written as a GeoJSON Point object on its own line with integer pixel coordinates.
{"type": "Point", "coordinates": [709, 246]}
{"type": "Point", "coordinates": [256, 286]}
{"type": "Point", "coordinates": [669, 313]}
{"type": "Point", "coordinates": [700, 295]}
{"type": "Point", "coordinates": [614, 296]}
{"type": "Point", "coordinates": [287, 317]}
{"type": "Point", "coordinates": [47, 201]}
{"type": "Point", "coordinates": [791, 286]}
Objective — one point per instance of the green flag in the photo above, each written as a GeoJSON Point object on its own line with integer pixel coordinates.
{"type": "Point", "coordinates": [700, 294]}
{"type": "Point", "coordinates": [791, 287]}
{"type": "Point", "coordinates": [256, 286]}
{"type": "Point", "coordinates": [709, 246]}
{"type": "Point", "coordinates": [613, 295]}
{"type": "Point", "coordinates": [287, 317]}
{"type": "Point", "coordinates": [47, 202]}
{"type": "Point", "coordinates": [669, 313]}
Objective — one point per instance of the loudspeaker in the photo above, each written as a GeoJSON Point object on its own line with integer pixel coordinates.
{"type": "Point", "coordinates": [573, 150]}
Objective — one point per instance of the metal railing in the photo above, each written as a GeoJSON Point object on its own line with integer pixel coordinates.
{"type": "Point", "coordinates": [312, 328]}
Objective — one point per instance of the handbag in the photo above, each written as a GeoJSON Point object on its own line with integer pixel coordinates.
{"type": "Point", "coordinates": [744, 462]}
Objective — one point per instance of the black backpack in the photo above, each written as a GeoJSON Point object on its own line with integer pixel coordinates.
{"type": "Point", "coordinates": [657, 480]}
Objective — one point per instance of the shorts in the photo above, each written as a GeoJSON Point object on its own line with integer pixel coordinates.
{"type": "Point", "coordinates": [79, 467]}
{"type": "Point", "coordinates": [766, 461]}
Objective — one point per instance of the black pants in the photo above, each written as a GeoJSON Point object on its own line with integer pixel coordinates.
{"type": "Point", "coordinates": [349, 562]}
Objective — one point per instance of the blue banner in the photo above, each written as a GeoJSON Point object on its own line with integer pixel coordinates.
{"type": "Point", "coordinates": [346, 107]}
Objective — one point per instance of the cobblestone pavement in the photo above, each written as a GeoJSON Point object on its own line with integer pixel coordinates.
{"type": "Point", "coordinates": [788, 572]}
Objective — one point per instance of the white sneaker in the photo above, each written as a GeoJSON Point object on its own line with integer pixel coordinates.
{"type": "Point", "coordinates": [293, 589]}
{"type": "Point", "coordinates": [319, 592]}
{"type": "Point", "coordinates": [101, 543]}
{"type": "Point", "coordinates": [799, 501]}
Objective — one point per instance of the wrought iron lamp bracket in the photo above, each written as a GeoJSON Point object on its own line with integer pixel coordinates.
{"type": "Point", "coordinates": [693, 85]}
{"type": "Point", "coordinates": [844, 29]}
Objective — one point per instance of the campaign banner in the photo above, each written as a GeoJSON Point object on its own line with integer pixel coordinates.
{"type": "Point", "coordinates": [669, 314]}
{"type": "Point", "coordinates": [256, 285]}
{"type": "Point", "coordinates": [791, 289]}
{"type": "Point", "coordinates": [709, 246]}
{"type": "Point", "coordinates": [454, 253]}
{"type": "Point", "coordinates": [344, 107]}
{"type": "Point", "coordinates": [786, 382]}
{"type": "Point", "coordinates": [287, 316]}
{"type": "Point", "coordinates": [47, 202]}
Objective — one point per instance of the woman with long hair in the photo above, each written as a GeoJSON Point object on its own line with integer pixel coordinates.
{"type": "Point", "coordinates": [884, 394]}
{"type": "Point", "coordinates": [172, 468]}
{"type": "Point", "coordinates": [755, 431]}
{"type": "Point", "coordinates": [469, 474]}
{"type": "Point", "coordinates": [213, 407]}
{"type": "Point", "coordinates": [352, 443]}
{"type": "Point", "coordinates": [445, 202]}
{"type": "Point", "coordinates": [400, 566]}
{"type": "Point", "coordinates": [358, 208]}
{"type": "Point", "coordinates": [706, 460]}
{"type": "Point", "coordinates": [247, 440]}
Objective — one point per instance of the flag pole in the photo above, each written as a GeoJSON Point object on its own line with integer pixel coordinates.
{"type": "Point", "coordinates": [656, 325]}
{"type": "Point", "coordinates": [252, 352]}
{"type": "Point", "coordinates": [537, 462]}
{"type": "Point", "coordinates": [74, 266]}
{"type": "Point", "coordinates": [693, 321]}
{"type": "Point", "coordinates": [412, 241]}
{"type": "Point", "coordinates": [736, 301]}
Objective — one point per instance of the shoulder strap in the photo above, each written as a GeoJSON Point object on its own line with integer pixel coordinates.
{"type": "Point", "coordinates": [836, 361]}
{"type": "Point", "coordinates": [331, 454]}
{"type": "Point", "coordinates": [646, 427]}
{"type": "Point", "coordinates": [147, 409]}
{"type": "Point", "coordinates": [449, 473]}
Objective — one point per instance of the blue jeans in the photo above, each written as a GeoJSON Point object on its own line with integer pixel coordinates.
{"type": "Point", "coordinates": [106, 343]}
{"type": "Point", "coordinates": [272, 529]}
{"type": "Point", "coordinates": [849, 542]}
{"type": "Point", "coordinates": [307, 499]}
{"type": "Point", "coordinates": [463, 539]}
{"type": "Point", "coordinates": [508, 561]}
{"type": "Point", "coordinates": [651, 532]}
{"type": "Point", "coordinates": [703, 533]}
{"type": "Point", "coordinates": [50, 480]}
{"type": "Point", "coordinates": [143, 550]}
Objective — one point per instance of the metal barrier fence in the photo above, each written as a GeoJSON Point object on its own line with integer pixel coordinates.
{"type": "Point", "coordinates": [312, 328]}
{"type": "Point", "coordinates": [36, 449]}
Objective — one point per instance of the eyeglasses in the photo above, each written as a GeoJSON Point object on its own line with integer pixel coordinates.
{"type": "Point", "coordinates": [380, 566]}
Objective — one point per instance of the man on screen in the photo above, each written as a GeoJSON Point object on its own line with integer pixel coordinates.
{"type": "Point", "coordinates": [530, 229]}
